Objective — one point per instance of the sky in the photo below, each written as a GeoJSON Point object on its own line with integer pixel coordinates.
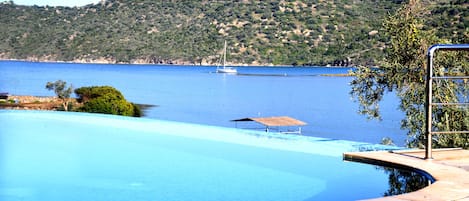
{"type": "Point", "coordinates": [69, 3]}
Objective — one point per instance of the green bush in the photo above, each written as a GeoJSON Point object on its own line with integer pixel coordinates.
{"type": "Point", "coordinates": [106, 100]}
{"type": "Point", "coordinates": [86, 93]}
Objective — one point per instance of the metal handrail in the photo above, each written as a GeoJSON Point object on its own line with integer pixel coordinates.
{"type": "Point", "coordinates": [429, 103]}
{"type": "Point", "coordinates": [449, 132]}
{"type": "Point", "coordinates": [446, 104]}
{"type": "Point", "coordinates": [452, 77]}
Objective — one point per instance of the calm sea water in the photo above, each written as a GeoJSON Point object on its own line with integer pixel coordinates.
{"type": "Point", "coordinates": [196, 94]}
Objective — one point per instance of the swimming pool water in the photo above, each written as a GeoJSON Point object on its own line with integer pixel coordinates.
{"type": "Point", "coordinates": [76, 156]}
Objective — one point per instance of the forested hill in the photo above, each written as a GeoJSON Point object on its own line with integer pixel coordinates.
{"type": "Point", "coordinates": [317, 32]}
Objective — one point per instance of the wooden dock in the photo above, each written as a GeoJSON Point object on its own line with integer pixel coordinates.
{"type": "Point", "coordinates": [449, 168]}
{"type": "Point", "coordinates": [269, 122]}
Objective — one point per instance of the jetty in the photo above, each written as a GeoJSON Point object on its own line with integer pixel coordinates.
{"type": "Point", "coordinates": [275, 122]}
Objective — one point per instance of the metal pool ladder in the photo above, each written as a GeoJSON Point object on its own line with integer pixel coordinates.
{"type": "Point", "coordinates": [429, 102]}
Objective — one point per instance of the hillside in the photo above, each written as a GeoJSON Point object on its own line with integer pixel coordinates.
{"type": "Point", "coordinates": [315, 32]}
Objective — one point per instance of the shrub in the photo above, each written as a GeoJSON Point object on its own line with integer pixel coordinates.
{"type": "Point", "coordinates": [106, 100]}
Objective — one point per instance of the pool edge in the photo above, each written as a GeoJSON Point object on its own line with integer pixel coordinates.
{"type": "Point", "coordinates": [447, 170]}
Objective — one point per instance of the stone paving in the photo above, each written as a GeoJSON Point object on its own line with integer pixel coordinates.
{"type": "Point", "coordinates": [449, 167]}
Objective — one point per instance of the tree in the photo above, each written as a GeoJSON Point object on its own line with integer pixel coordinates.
{"type": "Point", "coordinates": [403, 71]}
{"type": "Point", "coordinates": [107, 100]}
{"type": "Point", "coordinates": [61, 91]}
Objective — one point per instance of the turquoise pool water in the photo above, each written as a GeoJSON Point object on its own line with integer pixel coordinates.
{"type": "Point", "coordinates": [75, 156]}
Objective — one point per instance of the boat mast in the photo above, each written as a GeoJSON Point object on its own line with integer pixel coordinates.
{"type": "Point", "coordinates": [224, 55]}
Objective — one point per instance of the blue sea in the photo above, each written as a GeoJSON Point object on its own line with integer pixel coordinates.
{"type": "Point", "coordinates": [196, 94]}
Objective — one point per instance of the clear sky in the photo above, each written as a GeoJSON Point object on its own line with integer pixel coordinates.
{"type": "Point", "coordinates": [69, 3]}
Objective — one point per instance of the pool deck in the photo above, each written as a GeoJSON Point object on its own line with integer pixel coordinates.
{"type": "Point", "coordinates": [449, 168]}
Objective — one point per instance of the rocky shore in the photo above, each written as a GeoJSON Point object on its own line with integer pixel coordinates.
{"type": "Point", "coordinates": [149, 62]}
{"type": "Point", "coordinates": [135, 61]}
{"type": "Point", "coordinates": [14, 102]}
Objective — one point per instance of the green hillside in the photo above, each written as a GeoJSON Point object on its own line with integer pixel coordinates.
{"type": "Point", "coordinates": [286, 32]}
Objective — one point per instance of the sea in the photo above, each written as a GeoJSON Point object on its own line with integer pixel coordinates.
{"type": "Point", "coordinates": [197, 94]}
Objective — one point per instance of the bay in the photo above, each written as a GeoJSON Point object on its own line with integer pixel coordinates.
{"type": "Point", "coordinates": [196, 94]}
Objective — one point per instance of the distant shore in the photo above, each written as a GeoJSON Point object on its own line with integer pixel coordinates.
{"type": "Point", "coordinates": [338, 75]}
{"type": "Point", "coordinates": [136, 62]}
{"type": "Point", "coordinates": [144, 62]}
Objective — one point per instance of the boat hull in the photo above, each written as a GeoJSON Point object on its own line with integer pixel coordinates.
{"type": "Point", "coordinates": [227, 70]}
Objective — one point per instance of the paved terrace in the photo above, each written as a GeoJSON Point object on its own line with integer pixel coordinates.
{"type": "Point", "coordinates": [449, 167]}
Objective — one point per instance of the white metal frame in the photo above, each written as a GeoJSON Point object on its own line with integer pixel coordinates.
{"type": "Point", "coordinates": [429, 102]}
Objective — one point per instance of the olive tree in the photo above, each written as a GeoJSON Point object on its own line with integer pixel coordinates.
{"type": "Point", "coordinates": [403, 71]}
{"type": "Point", "coordinates": [62, 91]}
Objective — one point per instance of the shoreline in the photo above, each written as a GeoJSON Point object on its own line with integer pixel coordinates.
{"type": "Point", "coordinates": [49, 103]}
{"type": "Point", "coordinates": [163, 64]}
{"type": "Point", "coordinates": [28, 102]}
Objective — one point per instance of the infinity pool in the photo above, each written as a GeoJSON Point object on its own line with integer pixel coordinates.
{"type": "Point", "coordinates": [48, 156]}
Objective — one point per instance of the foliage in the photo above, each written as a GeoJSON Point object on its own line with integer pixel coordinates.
{"type": "Point", "coordinates": [387, 141]}
{"type": "Point", "coordinates": [451, 118]}
{"type": "Point", "coordinates": [63, 93]}
{"type": "Point", "coordinates": [403, 71]}
{"type": "Point", "coordinates": [87, 93]}
{"type": "Point", "coordinates": [258, 32]}
{"type": "Point", "coordinates": [107, 100]}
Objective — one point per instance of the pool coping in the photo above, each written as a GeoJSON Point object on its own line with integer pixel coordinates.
{"type": "Point", "coordinates": [449, 169]}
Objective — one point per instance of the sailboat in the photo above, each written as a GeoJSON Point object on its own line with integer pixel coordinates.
{"type": "Point", "coordinates": [226, 69]}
